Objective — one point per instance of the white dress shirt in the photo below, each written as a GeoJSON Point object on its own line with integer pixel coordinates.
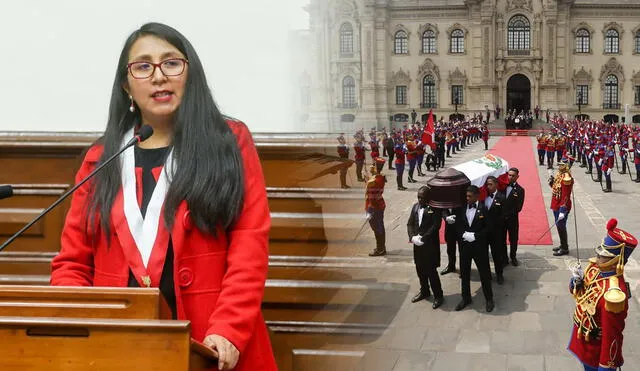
{"type": "Point", "coordinates": [471, 213]}
{"type": "Point", "coordinates": [420, 213]}
{"type": "Point", "coordinates": [489, 200]}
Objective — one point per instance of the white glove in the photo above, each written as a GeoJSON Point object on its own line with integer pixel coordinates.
{"type": "Point", "coordinates": [450, 219]}
{"type": "Point", "coordinates": [469, 236]}
{"type": "Point", "coordinates": [368, 216]}
{"type": "Point", "coordinates": [609, 171]}
{"type": "Point", "coordinates": [577, 272]}
{"type": "Point", "coordinates": [561, 216]}
{"type": "Point", "coordinates": [417, 240]}
{"type": "Point", "coordinates": [600, 162]}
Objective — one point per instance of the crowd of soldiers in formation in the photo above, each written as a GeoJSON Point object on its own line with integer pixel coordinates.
{"type": "Point", "coordinates": [406, 145]}
{"type": "Point", "coordinates": [605, 146]}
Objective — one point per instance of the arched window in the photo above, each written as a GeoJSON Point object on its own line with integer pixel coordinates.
{"type": "Point", "coordinates": [346, 39]}
{"type": "Point", "coordinates": [638, 42]}
{"type": "Point", "coordinates": [519, 32]}
{"type": "Point", "coordinates": [429, 42]}
{"type": "Point", "coordinates": [583, 41]}
{"type": "Point", "coordinates": [401, 44]}
{"type": "Point", "coordinates": [348, 92]}
{"type": "Point", "coordinates": [612, 41]}
{"type": "Point", "coordinates": [428, 92]}
{"type": "Point", "coordinates": [457, 41]}
{"type": "Point", "coordinates": [611, 92]}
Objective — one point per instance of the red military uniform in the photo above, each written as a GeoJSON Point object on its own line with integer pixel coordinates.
{"type": "Point", "coordinates": [375, 148]}
{"type": "Point", "coordinates": [374, 191]}
{"type": "Point", "coordinates": [561, 192]}
{"type": "Point", "coordinates": [399, 150]}
{"type": "Point", "coordinates": [411, 151]}
{"type": "Point", "coordinates": [551, 144]}
{"type": "Point", "coordinates": [602, 302]}
{"type": "Point", "coordinates": [359, 149]}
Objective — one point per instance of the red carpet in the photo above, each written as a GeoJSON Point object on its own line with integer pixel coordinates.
{"type": "Point", "coordinates": [518, 151]}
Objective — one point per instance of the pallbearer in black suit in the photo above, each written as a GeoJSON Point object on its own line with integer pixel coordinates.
{"type": "Point", "coordinates": [451, 237]}
{"type": "Point", "coordinates": [495, 233]}
{"type": "Point", "coordinates": [472, 230]}
{"type": "Point", "coordinates": [511, 208]}
{"type": "Point", "coordinates": [423, 228]}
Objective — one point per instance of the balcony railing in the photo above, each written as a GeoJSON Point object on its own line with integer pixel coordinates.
{"type": "Point", "coordinates": [428, 105]}
{"type": "Point", "coordinates": [518, 52]}
{"type": "Point", "coordinates": [611, 105]}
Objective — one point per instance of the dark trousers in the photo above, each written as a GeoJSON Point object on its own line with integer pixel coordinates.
{"type": "Point", "coordinates": [391, 156]}
{"type": "Point", "coordinates": [440, 156]}
{"type": "Point", "coordinates": [359, 166]}
{"type": "Point", "coordinates": [343, 177]}
{"type": "Point", "coordinates": [452, 241]}
{"type": "Point", "coordinates": [511, 226]}
{"type": "Point", "coordinates": [426, 269]}
{"type": "Point", "coordinates": [498, 248]}
{"type": "Point", "coordinates": [479, 253]}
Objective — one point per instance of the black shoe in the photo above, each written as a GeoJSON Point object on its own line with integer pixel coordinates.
{"type": "Point", "coordinates": [437, 302]}
{"type": "Point", "coordinates": [490, 305]}
{"type": "Point", "coordinates": [515, 262]}
{"type": "Point", "coordinates": [557, 248]}
{"type": "Point", "coordinates": [561, 252]}
{"type": "Point", "coordinates": [447, 270]}
{"type": "Point", "coordinates": [377, 252]}
{"type": "Point", "coordinates": [345, 187]}
{"type": "Point", "coordinates": [461, 305]}
{"type": "Point", "coordinates": [420, 296]}
{"type": "Point", "coordinates": [500, 279]}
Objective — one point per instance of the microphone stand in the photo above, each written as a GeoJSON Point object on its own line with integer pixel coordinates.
{"type": "Point", "coordinates": [138, 138]}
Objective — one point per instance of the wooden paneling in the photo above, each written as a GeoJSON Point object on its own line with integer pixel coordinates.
{"type": "Point", "coordinates": [324, 302]}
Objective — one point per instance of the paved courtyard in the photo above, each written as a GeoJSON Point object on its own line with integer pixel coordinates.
{"type": "Point", "coordinates": [531, 324]}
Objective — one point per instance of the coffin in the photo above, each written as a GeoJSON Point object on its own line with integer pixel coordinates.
{"type": "Point", "coordinates": [448, 189]}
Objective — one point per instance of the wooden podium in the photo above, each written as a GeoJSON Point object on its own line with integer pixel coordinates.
{"type": "Point", "coordinates": [94, 328]}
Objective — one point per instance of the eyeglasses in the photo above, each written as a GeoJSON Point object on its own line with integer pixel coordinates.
{"type": "Point", "coordinates": [169, 67]}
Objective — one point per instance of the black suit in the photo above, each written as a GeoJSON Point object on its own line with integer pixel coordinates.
{"type": "Point", "coordinates": [451, 236]}
{"type": "Point", "coordinates": [511, 208]}
{"type": "Point", "coordinates": [389, 144]}
{"type": "Point", "coordinates": [476, 251]}
{"type": "Point", "coordinates": [427, 256]}
{"type": "Point", "coordinates": [495, 235]}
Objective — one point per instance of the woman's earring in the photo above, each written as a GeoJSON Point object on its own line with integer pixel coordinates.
{"type": "Point", "coordinates": [132, 108]}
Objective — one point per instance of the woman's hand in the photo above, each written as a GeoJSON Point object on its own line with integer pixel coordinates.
{"type": "Point", "coordinates": [228, 354]}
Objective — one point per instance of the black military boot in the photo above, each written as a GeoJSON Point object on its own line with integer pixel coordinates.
{"type": "Point", "coordinates": [564, 245]}
{"type": "Point", "coordinates": [608, 182]}
{"type": "Point", "coordinates": [380, 249]}
{"type": "Point", "coordinates": [399, 181]}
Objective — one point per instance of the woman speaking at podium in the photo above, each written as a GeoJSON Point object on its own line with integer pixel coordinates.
{"type": "Point", "coordinates": [185, 210]}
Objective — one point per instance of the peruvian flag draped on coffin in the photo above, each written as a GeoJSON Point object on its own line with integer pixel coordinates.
{"type": "Point", "coordinates": [479, 169]}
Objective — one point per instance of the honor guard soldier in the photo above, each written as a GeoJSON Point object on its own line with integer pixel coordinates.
{"type": "Point", "coordinates": [343, 152]}
{"type": "Point", "coordinates": [636, 160]}
{"type": "Point", "coordinates": [561, 145]}
{"type": "Point", "coordinates": [412, 155]}
{"type": "Point", "coordinates": [375, 146]}
{"type": "Point", "coordinates": [420, 150]}
{"type": "Point", "coordinates": [375, 205]}
{"type": "Point", "coordinates": [607, 166]}
{"type": "Point", "coordinates": [359, 149]}
{"type": "Point", "coordinates": [561, 187]}
{"type": "Point", "coordinates": [542, 144]}
{"type": "Point", "coordinates": [485, 136]}
{"type": "Point", "coordinates": [551, 150]}
{"type": "Point", "coordinates": [400, 162]}
{"type": "Point", "coordinates": [598, 158]}
{"type": "Point", "coordinates": [623, 145]}
{"type": "Point", "coordinates": [602, 301]}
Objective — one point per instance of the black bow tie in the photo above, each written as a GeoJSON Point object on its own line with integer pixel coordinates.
{"type": "Point", "coordinates": [512, 185]}
{"type": "Point", "coordinates": [472, 206]}
{"type": "Point", "coordinates": [490, 196]}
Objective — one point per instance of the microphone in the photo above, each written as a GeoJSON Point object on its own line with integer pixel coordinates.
{"type": "Point", "coordinates": [143, 134]}
{"type": "Point", "coordinates": [6, 191]}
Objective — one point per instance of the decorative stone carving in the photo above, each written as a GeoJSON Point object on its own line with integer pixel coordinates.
{"type": "Point", "coordinates": [612, 67]}
{"type": "Point", "coordinates": [428, 67]}
{"type": "Point", "coordinates": [399, 78]}
{"type": "Point", "coordinates": [457, 26]}
{"type": "Point", "coordinates": [636, 78]}
{"type": "Point", "coordinates": [399, 27]}
{"type": "Point", "coordinates": [615, 25]}
{"type": "Point", "coordinates": [428, 26]}
{"type": "Point", "coordinates": [519, 4]}
{"type": "Point", "coordinates": [582, 77]}
{"type": "Point", "coordinates": [584, 25]}
{"type": "Point", "coordinates": [457, 77]}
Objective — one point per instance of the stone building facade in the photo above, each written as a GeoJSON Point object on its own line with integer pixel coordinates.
{"type": "Point", "coordinates": [373, 60]}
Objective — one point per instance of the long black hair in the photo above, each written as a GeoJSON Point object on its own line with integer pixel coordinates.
{"type": "Point", "coordinates": [207, 161]}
